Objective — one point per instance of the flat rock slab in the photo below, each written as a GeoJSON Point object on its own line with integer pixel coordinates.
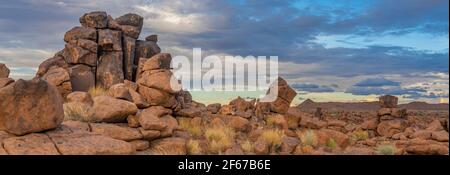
{"type": "Point", "coordinates": [116, 131]}
{"type": "Point", "coordinates": [91, 144]}
{"type": "Point", "coordinates": [31, 144]}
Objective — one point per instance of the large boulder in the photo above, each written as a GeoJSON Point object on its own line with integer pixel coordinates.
{"type": "Point", "coordinates": [109, 109]}
{"type": "Point", "coordinates": [4, 71]}
{"type": "Point", "coordinates": [57, 61]}
{"type": "Point", "coordinates": [150, 118]}
{"type": "Point", "coordinates": [158, 61]}
{"type": "Point", "coordinates": [146, 49]}
{"type": "Point", "coordinates": [116, 131]}
{"type": "Point", "coordinates": [169, 146]}
{"type": "Point", "coordinates": [30, 106]}
{"type": "Point", "coordinates": [74, 54]}
{"type": "Point", "coordinates": [160, 79]}
{"type": "Point", "coordinates": [5, 82]}
{"type": "Point", "coordinates": [131, 24]}
{"type": "Point", "coordinates": [157, 97]}
{"type": "Point", "coordinates": [391, 127]}
{"type": "Point", "coordinates": [81, 33]}
{"type": "Point", "coordinates": [97, 19]}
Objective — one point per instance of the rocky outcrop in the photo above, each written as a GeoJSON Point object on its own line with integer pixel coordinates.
{"type": "Point", "coordinates": [4, 71]}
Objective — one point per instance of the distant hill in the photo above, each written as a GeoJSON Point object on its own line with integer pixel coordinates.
{"type": "Point", "coordinates": [309, 104]}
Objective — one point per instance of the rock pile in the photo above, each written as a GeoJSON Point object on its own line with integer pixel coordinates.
{"type": "Point", "coordinates": [392, 120]}
{"type": "Point", "coordinates": [101, 52]}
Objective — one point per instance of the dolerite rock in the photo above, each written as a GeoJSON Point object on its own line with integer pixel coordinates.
{"type": "Point", "coordinates": [160, 79]}
{"type": "Point", "coordinates": [157, 97]}
{"type": "Point", "coordinates": [5, 82]}
{"type": "Point", "coordinates": [131, 24]}
{"type": "Point", "coordinates": [82, 77]}
{"type": "Point", "coordinates": [81, 33]}
{"type": "Point", "coordinates": [111, 110]}
{"type": "Point", "coordinates": [169, 146]}
{"type": "Point", "coordinates": [31, 144]}
{"type": "Point", "coordinates": [30, 106]}
{"type": "Point", "coordinates": [74, 54]}
{"type": "Point", "coordinates": [158, 61]}
{"type": "Point", "coordinates": [79, 97]}
{"type": "Point", "coordinates": [110, 69]}
{"type": "Point", "coordinates": [116, 131]}
{"type": "Point", "coordinates": [146, 49]}
{"type": "Point", "coordinates": [280, 96]}
{"type": "Point", "coordinates": [129, 47]}
{"type": "Point", "coordinates": [4, 71]}
{"type": "Point", "coordinates": [60, 78]}
{"type": "Point", "coordinates": [388, 101]}
{"type": "Point", "coordinates": [153, 38]}
{"type": "Point", "coordinates": [86, 44]}
{"type": "Point", "coordinates": [96, 19]}
{"type": "Point", "coordinates": [56, 61]}
{"type": "Point", "coordinates": [110, 40]}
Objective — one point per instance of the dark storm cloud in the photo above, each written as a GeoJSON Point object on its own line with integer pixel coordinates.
{"type": "Point", "coordinates": [307, 87]}
{"type": "Point", "coordinates": [376, 82]}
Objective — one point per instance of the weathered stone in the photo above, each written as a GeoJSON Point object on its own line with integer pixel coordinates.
{"type": "Point", "coordinates": [171, 124]}
{"type": "Point", "coordinates": [138, 100]}
{"type": "Point", "coordinates": [261, 147]}
{"type": "Point", "coordinates": [422, 134]}
{"type": "Point", "coordinates": [4, 71]}
{"type": "Point", "coordinates": [60, 78]}
{"type": "Point", "coordinates": [116, 131]}
{"type": "Point", "coordinates": [76, 126]}
{"type": "Point", "coordinates": [293, 117]}
{"type": "Point", "coordinates": [5, 82]}
{"type": "Point", "coordinates": [80, 97]}
{"type": "Point", "coordinates": [82, 78]}
{"type": "Point", "coordinates": [370, 124]}
{"type": "Point", "coordinates": [85, 44]}
{"type": "Point", "coordinates": [110, 69]}
{"type": "Point", "coordinates": [312, 123]}
{"type": "Point", "coordinates": [189, 112]}
{"type": "Point", "coordinates": [153, 38]}
{"type": "Point", "coordinates": [140, 67]}
{"type": "Point", "coordinates": [227, 110]}
{"type": "Point", "coordinates": [214, 108]}
{"type": "Point", "coordinates": [241, 105]}
{"type": "Point", "coordinates": [426, 147]}
{"type": "Point", "coordinates": [169, 146]}
{"type": "Point", "coordinates": [158, 61]}
{"type": "Point", "coordinates": [384, 111]}
{"type": "Point", "coordinates": [239, 124]}
{"type": "Point", "coordinates": [146, 49]}
{"type": "Point", "coordinates": [399, 113]}
{"type": "Point", "coordinates": [120, 91]}
{"type": "Point", "coordinates": [289, 144]}
{"type": "Point", "coordinates": [150, 118]}
{"type": "Point", "coordinates": [30, 106]}
{"type": "Point", "coordinates": [109, 40]}
{"type": "Point", "coordinates": [57, 61]}
{"type": "Point", "coordinates": [130, 19]}
{"type": "Point", "coordinates": [97, 19]}
{"type": "Point", "coordinates": [109, 109]}
{"type": "Point", "coordinates": [391, 127]}
{"type": "Point", "coordinates": [435, 126]}
{"type": "Point", "coordinates": [279, 96]}
{"type": "Point", "coordinates": [325, 135]}
{"type": "Point", "coordinates": [160, 79]}
{"type": "Point", "coordinates": [81, 33]}
{"type": "Point", "coordinates": [129, 46]}
{"type": "Point", "coordinates": [150, 134]}
{"type": "Point", "coordinates": [91, 144]}
{"type": "Point", "coordinates": [130, 31]}
{"type": "Point", "coordinates": [133, 121]}
{"type": "Point", "coordinates": [157, 97]}
{"type": "Point", "coordinates": [441, 136]}
{"type": "Point", "coordinates": [140, 145]}
{"type": "Point", "coordinates": [388, 101]}
{"type": "Point", "coordinates": [74, 54]}
{"type": "Point", "coordinates": [112, 24]}
{"type": "Point", "coordinates": [32, 144]}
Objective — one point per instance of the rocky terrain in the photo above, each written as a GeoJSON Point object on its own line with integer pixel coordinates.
{"type": "Point", "coordinates": [107, 92]}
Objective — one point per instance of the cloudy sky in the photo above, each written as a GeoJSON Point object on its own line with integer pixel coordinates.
{"type": "Point", "coordinates": [329, 50]}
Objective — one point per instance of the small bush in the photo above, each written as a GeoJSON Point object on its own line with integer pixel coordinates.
{"type": "Point", "coordinates": [247, 146]}
{"type": "Point", "coordinates": [331, 143]}
{"type": "Point", "coordinates": [193, 147]}
{"type": "Point", "coordinates": [77, 111]}
{"type": "Point", "coordinates": [194, 130]}
{"type": "Point", "coordinates": [97, 91]}
{"type": "Point", "coordinates": [308, 138]}
{"type": "Point", "coordinates": [219, 138]}
{"type": "Point", "coordinates": [273, 137]}
{"type": "Point", "coordinates": [360, 135]}
{"type": "Point", "coordinates": [386, 149]}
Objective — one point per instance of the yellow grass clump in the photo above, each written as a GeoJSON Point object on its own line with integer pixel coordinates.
{"type": "Point", "coordinates": [247, 146]}
{"type": "Point", "coordinates": [97, 91]}
{"type": "Point", "coordinates": [76, 111]}
{"type": "Point", "coordinates": [195, 130]}
{"type": "Point", "coordinates": [308, 138]}
{"type": "Point", "coordinates": [273, 137]}
{"type": "Point", "coordinates": [219, 138]}
{"type": "Point", "coordinates": [193, 147]}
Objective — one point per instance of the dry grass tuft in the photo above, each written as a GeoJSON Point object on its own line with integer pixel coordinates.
{"type": "Point", "coordinates": [360, 134]}
{"type": "Point", "coordinates": [247, 146]}
{"type": "Point", "coordinates": [97, 91]}
{"type": "Point", "coordinates": [386, 149]}
{"type": "Point", "coordinates": [308, 138]}
{"type": "Point", "coordinates": [77, 111]}
{"type": "Point", "coordinates": [193, 147]}
{"type": "Point", "coordinates": [219, 138]}
{"type": "Point", "coordinates": [273, 137]}
{"type": "Point", "coordinates": [195, 130]}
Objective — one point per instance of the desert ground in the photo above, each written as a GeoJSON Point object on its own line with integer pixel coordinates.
{"type": "Point", "coordinates": [107, 92]}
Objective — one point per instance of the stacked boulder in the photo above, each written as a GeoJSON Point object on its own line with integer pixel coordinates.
{"type": "Point", "coordinates": [4, 76]}
{"type": "Point", "coordinates": [278, 99]}
{"type": "Point", "coordinates": [392, 120]}
{"type": "Point", "coordinates": [101, 52]}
